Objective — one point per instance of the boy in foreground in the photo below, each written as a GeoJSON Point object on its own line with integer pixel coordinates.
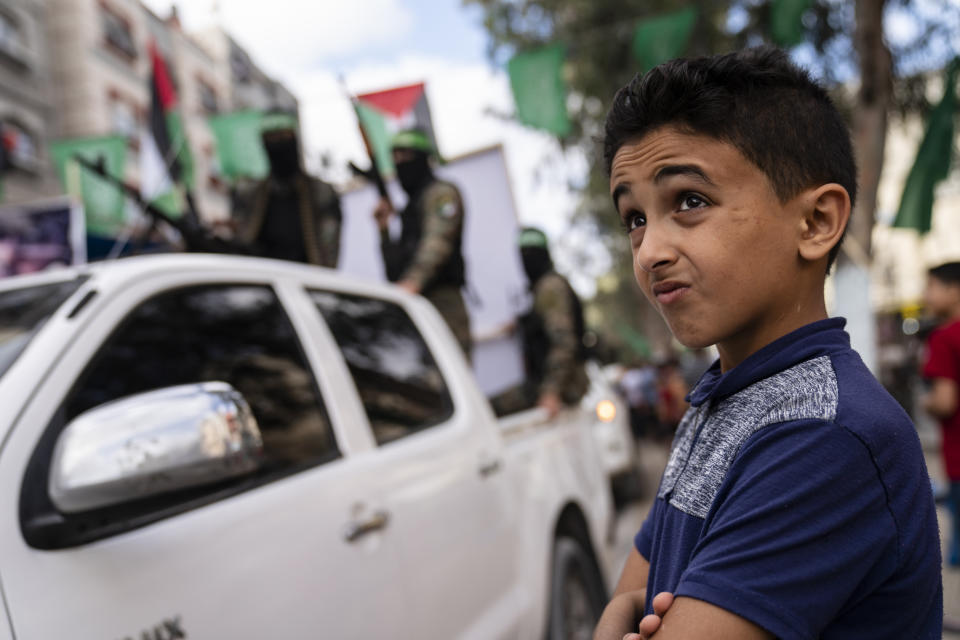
{"type": "Point", "coordinates": [796, 501]}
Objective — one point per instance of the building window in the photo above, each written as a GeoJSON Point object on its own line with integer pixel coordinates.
{"type": "Point", "coordinates": [235, 333]}
{"type": "Point", "coordinates": [240, 67]}
{"type": "Point", "coordinates": [9, 31]}
{"type": "Point", "coordinates": [399, 383]}
{"type": "Point", "coordinates": [208, 97]}
{"type": "Point", "coordinates": [21, 146]}
{"type": "Point", "coordinates": [117, 32]}
{"type": "Point", "coordinates": [11, 39]}
{"type": "Point", "coordinates": [124, 116]}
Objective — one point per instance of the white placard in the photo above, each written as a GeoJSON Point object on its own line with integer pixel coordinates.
{"type": "Point", "coordinates": [496, 291]}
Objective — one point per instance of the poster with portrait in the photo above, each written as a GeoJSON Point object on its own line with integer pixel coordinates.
{"type": "Point", "coordinates": [42, 235]}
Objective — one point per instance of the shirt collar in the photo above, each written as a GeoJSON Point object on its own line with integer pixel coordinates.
{"type": "Point", "coordinates": [810, 341]}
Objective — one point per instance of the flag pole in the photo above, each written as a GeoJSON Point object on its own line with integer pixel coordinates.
{"type": "Point", "coordinates": [192, 211]}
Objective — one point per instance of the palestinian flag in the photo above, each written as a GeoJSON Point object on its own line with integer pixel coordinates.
{"type": "Point", "coordinates": [383, 113]}
{"type": "Point", "coordinates": [165, 160]}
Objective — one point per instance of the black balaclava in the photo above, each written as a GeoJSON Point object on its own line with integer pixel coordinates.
{"type": "Point", "coordinates": [414, 174]}
{"type": "Point", "coordinates": [536, 263]}
{"type": "Point", "coordinates": [283, 152]}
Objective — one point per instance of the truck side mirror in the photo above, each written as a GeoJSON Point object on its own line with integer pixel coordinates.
{"type": "Point", "coordinates": [151, 443]}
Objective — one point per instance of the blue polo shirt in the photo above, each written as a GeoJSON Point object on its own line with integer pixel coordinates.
{"type": "Point", "coordinates": [796, 496]}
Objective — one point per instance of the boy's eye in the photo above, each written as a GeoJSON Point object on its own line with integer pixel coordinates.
{"type": "Point", "coordinates": [634, 220]}
{"type": "Point", "coordinates": [690, 201]}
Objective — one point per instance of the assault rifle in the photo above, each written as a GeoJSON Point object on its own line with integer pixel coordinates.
{"type": "Point", "coordinates": [196, 237]}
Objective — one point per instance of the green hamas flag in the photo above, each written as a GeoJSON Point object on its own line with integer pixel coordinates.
{"type": "Point", "coordinates": [786, 24]}
{"type": "Point", "coordinates": [239, 147]}
{"type": "Point", "coordinates": [663, 38]}
{"type": "Point", "coordinates": [536, 78]}
{"type": "Point", "coordinates": [933, 160]}
{"type": "Point", "coordinates": [374, 126]}
{"type": "Point", "coordinates": [103, 202]}
{"type": "Point", "coordinates": [179, 145]}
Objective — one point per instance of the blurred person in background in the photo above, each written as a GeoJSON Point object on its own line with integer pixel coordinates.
{"type": "Point", "coordinates": [694, 363]}
{"type": "Point", "coordinates": [639, 384]}
{"type": "Point", "coordinates": [553, 329]}
{"type": "Point", "coordinates": [671, 398]}
{"type": "Point", "coordinates": [942, 369]}
{"type": "Point", "coordinates": [427, 259]}
{"type": "Point", "coordinates": [289, 215]}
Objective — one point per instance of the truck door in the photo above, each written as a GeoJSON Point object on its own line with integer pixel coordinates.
{"type": "Point", "coordinates": [297, 549]}
{"type": "Point", "coordinates": [5, 631]}
{"type": "Point", "coordinates": [447, 486]}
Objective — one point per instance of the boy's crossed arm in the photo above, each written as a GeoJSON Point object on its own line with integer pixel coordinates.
{"type": "Point", "coordinates": [688, 618]}
{"type": "Point", "coordinates": [622, 614]}
{"type": "Point", "coordinates": [692, 619]}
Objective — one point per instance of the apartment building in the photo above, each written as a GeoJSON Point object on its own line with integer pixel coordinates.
{"type": "Point", "coordinates": [100, 67]}
{"type": "Point", "coordinates": [26, 108]}
{"type": "Point", "coordinates": [250, 86]}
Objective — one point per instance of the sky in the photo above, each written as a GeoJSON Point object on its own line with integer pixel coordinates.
{"type": "Point", "coordinates": [379, 44]}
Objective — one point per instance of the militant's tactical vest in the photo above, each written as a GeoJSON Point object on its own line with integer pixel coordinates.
{"type": "Point", "coordinates": [536, 342]}
{"type": "Point", "coordinates": [318, 208]}
{"type": "Point", "coordinates": [413, 217]}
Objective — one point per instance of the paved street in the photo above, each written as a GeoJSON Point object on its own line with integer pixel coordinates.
{"type": "Point", "coordinates": [951, 575]}
{"type": "Point", "coordinates": [653, 458]}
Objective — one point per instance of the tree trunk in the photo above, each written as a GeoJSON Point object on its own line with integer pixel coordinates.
{"type": "Point", "coordinates": [869, 117]}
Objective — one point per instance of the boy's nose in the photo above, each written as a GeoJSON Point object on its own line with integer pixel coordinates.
{"type": "Point", "coordinates": [655, 251]}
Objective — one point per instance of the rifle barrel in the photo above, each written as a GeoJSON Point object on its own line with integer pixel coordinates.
{"type": "Point", "coordinates": [196, 236]}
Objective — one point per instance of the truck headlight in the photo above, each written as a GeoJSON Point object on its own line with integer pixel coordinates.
{"type": "Point", "coordinates": [606, 411]}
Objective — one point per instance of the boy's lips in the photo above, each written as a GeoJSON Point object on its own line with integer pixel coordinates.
{"type": "Point", "coordinates": [669, 291]}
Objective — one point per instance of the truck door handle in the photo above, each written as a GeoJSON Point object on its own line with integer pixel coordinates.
{"type": "Point", "coordinates": [489, 467]}
{"type": "Point", "coordinates": [355, 530]}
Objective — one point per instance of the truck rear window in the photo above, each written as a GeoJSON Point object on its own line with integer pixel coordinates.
{"type": "Point", "coordinates": [24, 311]}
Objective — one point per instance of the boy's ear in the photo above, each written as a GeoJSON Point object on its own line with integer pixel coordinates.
{"type": "Point", "coordinates": [826, 211]}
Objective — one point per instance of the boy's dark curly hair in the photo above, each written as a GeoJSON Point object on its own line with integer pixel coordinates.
{"type": "Point", "coordinates": [756, 100]}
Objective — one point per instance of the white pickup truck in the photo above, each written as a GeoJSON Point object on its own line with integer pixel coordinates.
{"type": "Point", "coordinates": [224, 447]}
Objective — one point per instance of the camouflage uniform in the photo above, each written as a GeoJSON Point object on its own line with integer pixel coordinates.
{"type": "Point", "coordinates": [428, 253]}
{"type": "Point", "coordinates": [558, 311]}
{"type": "Point", "coordinates": [553, 348]}
{"type": "Point", "coordinates": [319, 214]}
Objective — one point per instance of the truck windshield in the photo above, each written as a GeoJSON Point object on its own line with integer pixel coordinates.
{"type": "Point", "coordinates": [23, 312]}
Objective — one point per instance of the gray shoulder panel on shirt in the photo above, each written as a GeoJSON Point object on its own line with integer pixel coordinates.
{"type": "Point", "coordinates": [699, 463]}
